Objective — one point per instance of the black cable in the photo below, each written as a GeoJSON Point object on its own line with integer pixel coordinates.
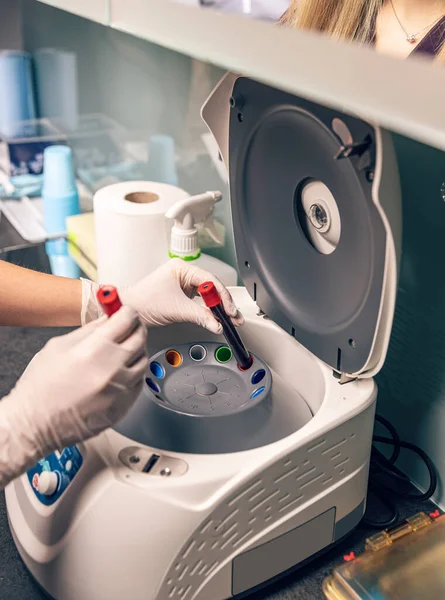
{"type": "Point", "coordinates": [381, 465]}
{"type": "Point", "coordinates": [393, 520]}
{"type": "Point", "coordinates": [428, 463]}
{"type": "Point", "coordinates": [395, 436]}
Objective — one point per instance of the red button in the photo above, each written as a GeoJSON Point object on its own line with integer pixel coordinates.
{"type": "Point", "coordinates": [35, 481]}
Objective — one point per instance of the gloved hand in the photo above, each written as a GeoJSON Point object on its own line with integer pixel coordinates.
{"type": "Point", "coordinates": [77, 386]}
{"type": "Point", "coordinates": [165, 297]}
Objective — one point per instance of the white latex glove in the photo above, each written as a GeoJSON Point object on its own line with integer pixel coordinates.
{"type": "Point", "coordinates": [165, 297]}
{"type": "Point", "coordinates": [77, 386]}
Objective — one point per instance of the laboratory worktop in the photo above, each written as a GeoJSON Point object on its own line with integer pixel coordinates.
{"type": "Point", "coordinates": [18, 347]}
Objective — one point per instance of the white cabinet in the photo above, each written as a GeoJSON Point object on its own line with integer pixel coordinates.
{"type": "Point", "coordinates": [354, 79]}
{"type": "Point", "coordinates": [402, 96]}
{"type": "Point", "coordinates": [95, 10]}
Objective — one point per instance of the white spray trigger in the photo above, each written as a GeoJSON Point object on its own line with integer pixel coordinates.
{"type": "Point", "coordinates": [188, 215]}
{"type": "Point", "coordinates": [210, 227]}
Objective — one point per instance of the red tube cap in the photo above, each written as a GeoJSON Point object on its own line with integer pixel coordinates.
{"type": "Point", "coordinates": [209, 294]}
{"type": "Point", "coordinates": [109, 299]}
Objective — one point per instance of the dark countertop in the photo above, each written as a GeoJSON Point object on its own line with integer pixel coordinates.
{"type": "Point", "coordinates": [18, 347]}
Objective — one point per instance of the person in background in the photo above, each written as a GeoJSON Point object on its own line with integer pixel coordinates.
{"type": "Point", "coordinates": [85, 381]}
{"type": "Point", "coordinates": [267, 10]}
{"type": "Point", "coordinates": [402, 28]}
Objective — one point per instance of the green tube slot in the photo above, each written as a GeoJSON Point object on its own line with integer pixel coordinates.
{"type": "Point", "coordinates": [223, 354]}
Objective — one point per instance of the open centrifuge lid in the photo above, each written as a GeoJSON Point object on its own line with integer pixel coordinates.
{"type": "Point", "coordinates": [316, 214]}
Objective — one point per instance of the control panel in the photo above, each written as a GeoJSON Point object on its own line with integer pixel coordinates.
{"type": "Point", "coordinates": [52, 475]}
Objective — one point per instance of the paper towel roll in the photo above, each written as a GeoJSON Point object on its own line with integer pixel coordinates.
{"type": "Point", "coordinates": [132, 233]}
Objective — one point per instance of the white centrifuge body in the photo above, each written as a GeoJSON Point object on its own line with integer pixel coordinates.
{"type": "Point", "coordinates": [229, 522]}
{"type": "Point", "coordinates": [150, 523]}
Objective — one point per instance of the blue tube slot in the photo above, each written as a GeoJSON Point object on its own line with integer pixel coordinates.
{"type": "Point", "coordinates": [257, 392]}
{"type": "Point", "coordinates": [157, 370]}
{"type": "Point", "coordinates": [153, 385]}
{"type": "Point", "coordinates": [258, 376]}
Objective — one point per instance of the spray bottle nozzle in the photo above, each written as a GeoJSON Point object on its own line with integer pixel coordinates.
{"type": "Point", "coordinates": [188, 214]}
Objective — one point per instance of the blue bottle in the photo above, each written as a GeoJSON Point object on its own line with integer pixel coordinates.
{"type": "Point", "coordinates": [17, 103]}
{"type": "Point", "coordinates": [162, 160]}
{"type": "Point", "coordinates": [60, 200]}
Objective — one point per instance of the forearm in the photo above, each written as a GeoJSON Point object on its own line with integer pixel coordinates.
{"type": "Point", "coordinates": [32, 299]}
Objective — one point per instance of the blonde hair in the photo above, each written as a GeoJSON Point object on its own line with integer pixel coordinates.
{"type": "Point", "coordinates": [340, 19]}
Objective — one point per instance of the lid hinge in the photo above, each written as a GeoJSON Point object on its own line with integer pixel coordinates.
{"type": "Point", "coordinates": [354, 149]}
{"type": "Point", "coordinates": [343, 377]}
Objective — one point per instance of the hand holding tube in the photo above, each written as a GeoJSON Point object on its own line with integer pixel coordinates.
{"type": "Point", "coordinates": [213, 301]}
{"type": "Point", "coordinates": [166, 296]}
{"type": "Point", "coordinates": [77, 386]}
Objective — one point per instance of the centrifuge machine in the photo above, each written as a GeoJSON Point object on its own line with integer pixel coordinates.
{"type": "Point", "coordinates": [219, 480]}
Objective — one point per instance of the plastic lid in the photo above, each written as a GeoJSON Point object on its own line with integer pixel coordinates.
{"type": "Point", "coordinates": [184, 244]}
{"type": "Point", "coordinates": [10, 53]}
{"type": "Point", "coordinates": [109, 299]}
{"type": "Point", "coordinates": [187, 214]}
{"type": "Point", "coordinates": [58, 172]}
{"type": "Point", "coordinates": [314, 247]}
{"type": "Point", "coordinates": [209, 294]}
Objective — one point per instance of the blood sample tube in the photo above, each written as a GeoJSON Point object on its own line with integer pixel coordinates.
{"type": "Point", "coordinates": [109, 299]}
{"type": "Point", "coordinates": [212, 299]}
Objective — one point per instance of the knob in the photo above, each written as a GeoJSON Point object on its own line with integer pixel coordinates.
{"type": "Point", "coordinates": [48, 483]}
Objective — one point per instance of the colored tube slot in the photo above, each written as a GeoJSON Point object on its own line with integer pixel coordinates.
{"type": "Point", "coordinates": [173, 358]}
{"type": "Point", "coordinates": [157, 370]}
{"type": "Point", "coordinates": [223, 354]}
{"type": "Point", "coordinates": [109, 299]}
{"type": "Point", "coordinates": [212, 299]}
{"type": "Point", "coordinates": [153, 385]}
{"type": "Point", "coordinates": [258, 376]}
{"type": "Point", "coordinates": [257, 393]}
{"type": "Point", "coordinates": [198, 353]}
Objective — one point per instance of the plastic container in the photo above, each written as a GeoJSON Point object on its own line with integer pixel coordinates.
{"type": "Point", "coordinates": [188, 215]}
{"type": "Point", "coordinates": [225, 272]}
{"type": "Point", "coordinates": [60, 200]}
{"type": "Point", "coordinates": [162, 160]}
{"type": "Point", "coordinates": [97, 141]}
{"type": "Point", "coordinates": [17, 102]}
{"type": "Point", "coordinates": [404, 563]}
{"type": "Point", "coordinates": [57, 87]}
{"type": "Point", "coordinates": [23, 155]}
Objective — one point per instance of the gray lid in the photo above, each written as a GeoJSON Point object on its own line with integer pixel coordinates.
{"type": "Point", "coordinates": [311, 237]}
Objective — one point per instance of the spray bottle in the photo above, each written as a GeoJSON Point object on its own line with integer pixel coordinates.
{"type": "Point", "coordinates": [189, 214]}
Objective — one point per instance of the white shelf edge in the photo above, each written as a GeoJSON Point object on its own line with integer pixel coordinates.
{"type": "Point", "coordinates": [94, 10]}
{"type": "Point", "coordinates": [406, 97]}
